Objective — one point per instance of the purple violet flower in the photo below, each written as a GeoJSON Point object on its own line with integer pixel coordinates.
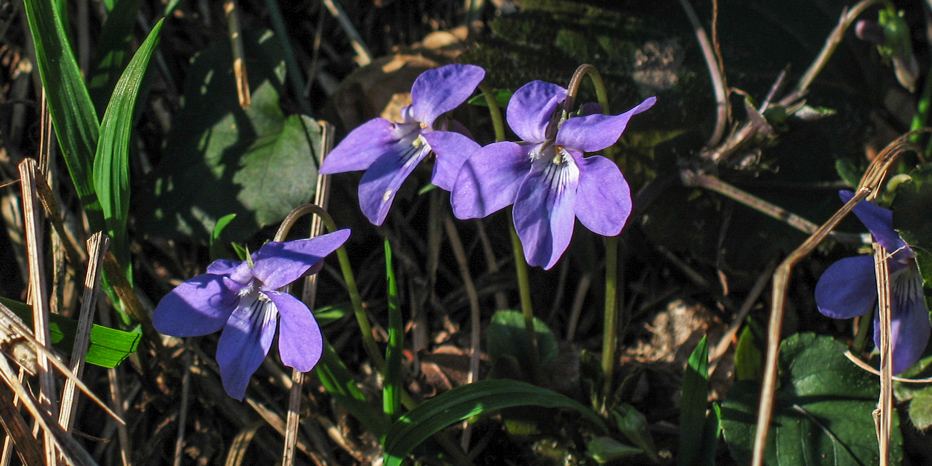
{"type": "Point", "coordinates": [546, 177]}
{"type": "Point", "coordinates": [849, 288]}
{"type": "Point", "coordinates": [242, 299]}
{"type": "Point", "coordinates": [389, 152]}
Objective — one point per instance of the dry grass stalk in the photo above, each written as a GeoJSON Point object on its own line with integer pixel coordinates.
{"type": "Point", "coordinates": [38, 297]}
{"type": "Point", "coordinates": [883, 415]}
{"type": "Point", "coordinates": [239, 63]}
{"type": "Point", "coordinates": [322, 198]}
{"type": "Point", "coordinates": [97, 245]}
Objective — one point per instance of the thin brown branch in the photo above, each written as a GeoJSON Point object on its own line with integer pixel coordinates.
{"type": "Point", "coordinates": [869, 186]}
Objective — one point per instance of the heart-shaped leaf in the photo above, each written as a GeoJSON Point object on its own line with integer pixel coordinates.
{"type": "Point", "coordinates": [219, 159]}
{"type": "Point", "coordinates": [821, 414]}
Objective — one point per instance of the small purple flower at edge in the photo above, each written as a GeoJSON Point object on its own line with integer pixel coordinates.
{"type": "Point", "coordinates": [242, 299]}
{"type": "Point", "coordinates": [848, 288]}
{"type": "Point", "coordinates": [389, 152]}
{"type": "Point", "coordinates": [547, 178]}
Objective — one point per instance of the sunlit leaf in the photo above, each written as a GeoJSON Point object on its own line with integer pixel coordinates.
{"type": "Point", "coordinates": [70, 105]}
{"type": "Point", "coordinates": [219, 159]}
{"type": "Point", "coordinates": [111, 165]}
{"type": "Point", "coordinates": [108, 347]}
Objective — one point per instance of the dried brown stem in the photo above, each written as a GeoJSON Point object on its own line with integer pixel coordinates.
{"type": "Point", "coordinates": [869, 186]}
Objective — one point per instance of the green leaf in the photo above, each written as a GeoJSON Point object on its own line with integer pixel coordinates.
{"type": "Point", "coordinates": [108, 348]}
{"type": "Point", "coordinates": [749, 359]}
{"type": "Point", "coordinates": [217, 249]}
{"type": "Point", "coordinates": [221, 159]}
{"type": "Point", "coordinates": [920, 409]}
{"type": "Point", "coordinates": [114, 49]}
{"type": "Point", "coordinates": [391, 390]}
{"type": "Point", "coordinates": [339, 383]}
{"type": "Point", "coordinates": [508, 337]}
{"type": "Point", "coordinates": [332, 313]}
{"type": "Point", "coordinates": [111, 165]}
{"type": "Point", "coordinates": [502, 96]}
{"type": "Point", "coordinates": [912, 208]}
{"type": "Point", "coordinates": [822, 410]}
{"type": "Point", "coordinates": [70, 106]}
{"type": "Point", "coordinates": [606, 450]}
{"type": "Point", "coordinates": [847, 171]}
{"type": "Point", "coordinates": [467, 401]}
{"type": "Point", "coordinates": [633, 425]}
{"type": "Point", "coordinates": [695, 398]}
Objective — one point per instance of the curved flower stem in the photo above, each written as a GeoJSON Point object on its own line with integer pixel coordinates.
{"type": "Point", "coordinates": [610, 327]}
{"type": "Point", "coordinates": [494, 111]}
{"type": "Point", "coordinates": [573, 89]}
{"type": "Point", "coordinates": [524, 287]}
{"type": "Point", "coordinates": [368, 341]}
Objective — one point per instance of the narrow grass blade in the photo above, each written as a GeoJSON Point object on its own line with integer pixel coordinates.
{"type": "Point", "coordinates": [694, 400]}
{"type": "Point", "coordinates": [113, 52]}
{"type": "Point", "coordinates": [111, 165]}
{"type": "Point", "coordinates": [70, 105]}
{"type": "Point", "coordinates": [217, 248]}
{"type": "Point", "coordinates": [391, 392]}
{"type": "Point", "coordinates": [467, 401]}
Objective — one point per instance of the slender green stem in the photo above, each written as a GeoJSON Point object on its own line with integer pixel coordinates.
{"type": "Point", "coordinates": [524, 284]}
{"type": "Point", "coordinates": [921, 118]}
{"type": "Point", "coordinates": [361, 318]}
{"type": "Point", "coordinates": [368, 340]}
{"type": "Point", "coordinates": [494, 110]}
{"type": "Point", "coordinates": [524, 287]}
{"type": "Point", "coordinates": [860, 338]}
{"type": "Point", "coordinates": [610, 327]}
{"type": "Point", "coordinates": [391, 390]}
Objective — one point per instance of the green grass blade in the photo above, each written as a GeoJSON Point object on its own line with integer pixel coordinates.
{"type": "Point", "coordinates": [217, 249]}
{"type": "Point", "coordinates": [114, 50]}
{"type": "Point", "coordinates": [69, 103]}
{"type": "Point", "coordinates": [694, 400]}
{"type": "Point", "coordinates": [111, 165]}
{"type": "Point", "coordinates": [391, 392]}
{"type": "Point", "coordinates": [339, 383]}
{"type": "Point", "coordinates": [108, 348]}
{"type": "Point", "coordinates": [467, 401]}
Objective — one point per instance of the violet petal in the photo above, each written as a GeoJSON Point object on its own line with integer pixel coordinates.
{"type": "Point", "coordinates": [299, 340]}
{"type": "Point", "coordinates": [452, 150]}
{"type": "Point", "coordinates": [441, 90]}
{"type": "Point", "coordinates": [380, 183]}
{"type": "Point", "coordinates": [196, 307]}
{"type": "Point", "coordinates": [848, 288]}
{"type": "Point", "coordinates": [596, 132]}
{"type": "Point", "coordinates": [878, 220]}
{"type": "Point", "coordinates": [223, 266]}
{"type": "Point", "coordinates": [489, 180]}
{"type": "Point", "coordinates": [531, 107]}
{"type": "Point", "coordinates": [603, 199]}
{"type": "Point", "coordinates": [245, 342]}
{"type": "Point", "coordinates": [361, 147]}
{"type": "Point", "coordinates": [909, 321]}
{"type": "Point", "coordinates": [281, 263]}
{"type": "Point", "coordinates": [544, 211]}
